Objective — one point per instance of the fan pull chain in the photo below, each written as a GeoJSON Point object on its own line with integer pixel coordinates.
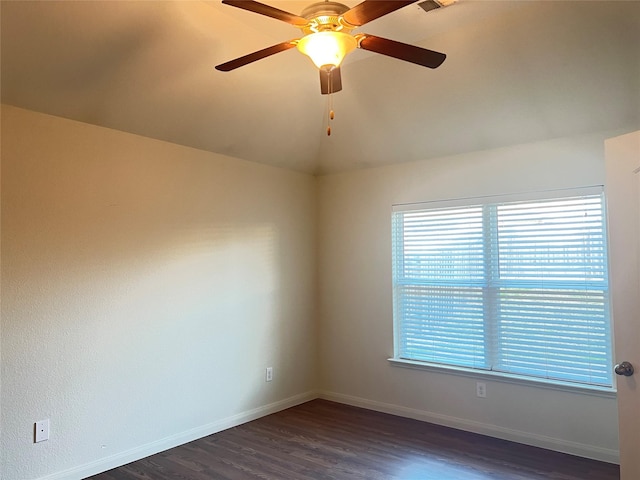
{"type": "Point", "coordinates": [330, 104]}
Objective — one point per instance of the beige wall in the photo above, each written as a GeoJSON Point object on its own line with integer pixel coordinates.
{"type": "Point", "coordinates": [356, 302]}
{"type": "Point", "coordinates": [145, 288]}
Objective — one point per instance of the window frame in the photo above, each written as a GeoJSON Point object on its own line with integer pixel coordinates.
{"type": "Point", "coordinates": [502, 376]}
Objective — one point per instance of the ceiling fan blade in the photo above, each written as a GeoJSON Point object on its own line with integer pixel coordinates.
{"type": "Point", "coordinates": [330, 81]}
{"type": "Point", "coordinates": [401, 51]}
{"type": "Point", "coordinates": [372, 9]}
{"type": "Point", "coordinates": [268, 11]}
{"type": "Point", "coordinates": [252, 57]}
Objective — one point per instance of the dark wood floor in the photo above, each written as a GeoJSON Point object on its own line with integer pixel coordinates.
{"type": "Point", "coordinates": [322, 440]}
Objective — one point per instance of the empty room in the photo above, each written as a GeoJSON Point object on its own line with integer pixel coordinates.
{"type": "Point", "coordinates": [298, 240]}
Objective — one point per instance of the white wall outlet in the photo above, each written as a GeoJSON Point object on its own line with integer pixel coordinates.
{"type": "Point", "coordinates": [41, 431]}
{"type": "Point", "coordinates": [269, 374]}
{"type": "Point", "coordinates": [481, 389]}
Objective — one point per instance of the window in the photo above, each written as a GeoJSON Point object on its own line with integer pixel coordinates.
{"type": "Point", "coordinates": [518, 287]}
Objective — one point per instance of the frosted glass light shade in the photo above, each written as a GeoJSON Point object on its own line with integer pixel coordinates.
{"type": "Point", "coordinates": [327, 48]}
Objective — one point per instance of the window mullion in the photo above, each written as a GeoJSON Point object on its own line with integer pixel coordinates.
{"type": "Point", "coordinates": [491, 288]}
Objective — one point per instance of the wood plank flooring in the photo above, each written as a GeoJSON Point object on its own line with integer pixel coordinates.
{"type": "Point", "coordinates": [322, 440]}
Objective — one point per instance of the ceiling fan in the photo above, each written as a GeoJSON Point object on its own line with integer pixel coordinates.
{"type": "Point", "coordinates": [328, 39]}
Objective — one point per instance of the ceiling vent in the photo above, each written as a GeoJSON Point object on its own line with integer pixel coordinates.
{"type": "Point", "coordinates": [429, 5]}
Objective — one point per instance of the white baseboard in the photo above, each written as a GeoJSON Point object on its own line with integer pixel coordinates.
{"type": "Point", "coordinates": [527, 438]}
{"type": "Point", "coordinates": [122, 458]}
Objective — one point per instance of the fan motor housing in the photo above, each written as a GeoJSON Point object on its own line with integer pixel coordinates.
{"type": "Point", "coordinates": [324, 16]}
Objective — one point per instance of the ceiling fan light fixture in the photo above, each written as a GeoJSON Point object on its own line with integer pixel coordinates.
{"type": "Point", "coordinates": [327, 48]}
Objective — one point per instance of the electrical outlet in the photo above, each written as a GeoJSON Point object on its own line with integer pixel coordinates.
{"type": "Point", "coordinates": [481, 389]}
{"type": "Point", "coordinates": [269, 374]}
{"type": "Point", "coordinates": [41, 429]}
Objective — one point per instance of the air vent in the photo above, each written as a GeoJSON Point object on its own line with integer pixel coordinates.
{"type": "Point", "coordinates": [429, 5]}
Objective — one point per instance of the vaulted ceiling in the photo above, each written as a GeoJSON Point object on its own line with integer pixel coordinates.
{"type": "Point", "coordinates": [516, 72]}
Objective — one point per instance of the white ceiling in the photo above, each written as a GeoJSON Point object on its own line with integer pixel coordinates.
{"type": "Point", "coordinates": [516, 72]}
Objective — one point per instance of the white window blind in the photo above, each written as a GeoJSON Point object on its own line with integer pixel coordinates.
{"type": "Point", "coordinates": [518, 287]}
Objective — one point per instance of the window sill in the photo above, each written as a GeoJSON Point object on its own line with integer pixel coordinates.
{"type": "Point", "coordinates": [505, 378]}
